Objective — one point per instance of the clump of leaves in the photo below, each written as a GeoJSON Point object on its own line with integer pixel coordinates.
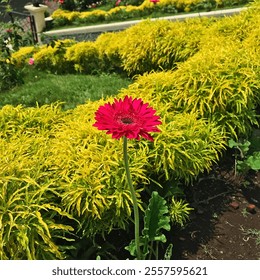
{"type": "Point", "coordinates": [244, 161]}
{"type": "Point", "coordinates": [179, 211]}
{"type": "Point", "coordinates": [156, 219]}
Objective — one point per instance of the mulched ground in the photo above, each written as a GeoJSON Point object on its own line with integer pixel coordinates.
{"type": "Point", "coordinates": [221, 226]}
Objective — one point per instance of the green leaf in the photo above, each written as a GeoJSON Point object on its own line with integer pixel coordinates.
{"type": "Point", "coordinates": [245, 146]}
{"type": "Point", "coordinates": [253, 161]}
{"type": "Point", "coordinates": [232, 143]}
{"type": "Point", "coordinates": [131, 248]}
{"type": "Point", "coordinates": [156, 218]}
{"type": "Point", "coordinates": [168, 252]}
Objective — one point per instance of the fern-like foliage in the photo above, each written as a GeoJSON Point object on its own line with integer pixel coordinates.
{"type": "Point", "coordinates": [179, 211]}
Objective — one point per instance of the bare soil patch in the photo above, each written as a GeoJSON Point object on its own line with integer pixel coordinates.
{"type": "Point", "coordinates": [225, 223]}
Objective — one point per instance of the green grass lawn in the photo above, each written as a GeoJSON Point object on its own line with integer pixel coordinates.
{"type": "Point", "coordinates": [73, 89]}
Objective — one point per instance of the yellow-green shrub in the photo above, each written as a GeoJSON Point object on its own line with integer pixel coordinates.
{"type": "Point", "coordinates": [30, 212]}
{"type": "Point", "coordinates": [109, 45]}
{"type": "Point", "coordinates": [150, 45]}
{"type": "Point", "coordinates": [186, 146]}
{"type": "Point", "coordinates": [185, 141]}
{"type": "Point", "coordinates": [53, 57]}
{"type": "Point", "coordinates": [21, 57]}
{"type": "Point", "coordinates": [180, 5]}
{"type": "Point", "coordinates": [56, 167]}
{"type": "Point", "coordinates": [220, 84]}
{"type": "Point", "coordinates": [237, 27]}
{"type": "Point", "coordinates": [93, 16]}
{"type": "Point", "coordinates": [159, 44]}
{"type": "Point", "coordinates": [84, 56]}
{"type": "Point", "coordinates": [220, 81]}
{"type": "Point", "coordinates": [62, 17]}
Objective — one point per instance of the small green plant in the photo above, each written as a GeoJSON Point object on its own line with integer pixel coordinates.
{"type": "Point", "coordinates": [179, 211]}
{"type": "Point", "coordinates": [244, 212]}
{"type": "Point", "coordinates": [156, 219]}
{"type": "Point", "coordinates": [252, 233]}
{"type": "Point", "coordinates": [9, 43]}
{"type": "Point", "coordinates": [244, 161]}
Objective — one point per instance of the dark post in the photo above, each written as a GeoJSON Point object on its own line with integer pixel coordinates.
{"type": "Point", "coordinates": [36, 3]}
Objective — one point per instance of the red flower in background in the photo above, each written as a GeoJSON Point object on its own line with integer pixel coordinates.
{"type": "Point", "coordinates": [129, 117]}
{"type": "Point", "coordinates": [61, 1]}
{"type": "Point", "coordinates": [155, 1]}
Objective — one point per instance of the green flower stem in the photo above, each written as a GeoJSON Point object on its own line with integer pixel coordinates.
{"type": "Point", "coordinates": [135, 204]}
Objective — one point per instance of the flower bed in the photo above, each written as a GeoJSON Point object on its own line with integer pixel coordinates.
{"type": "Point", "coordinates": [123, 12]}
{"type": "Point", "coordinates": [63, 181]}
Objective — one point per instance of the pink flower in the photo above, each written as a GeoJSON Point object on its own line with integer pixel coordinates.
{"type": "Point", "coordinates": [31, 61]}
{"type": "Point", "coordinates": [154, 1]}
{"type": "Point", "coordinates": [61, 1]}
{"type": "Point", "coordinates": [118, 2]}
{"type": "Point", "coordinates": [128, 117]}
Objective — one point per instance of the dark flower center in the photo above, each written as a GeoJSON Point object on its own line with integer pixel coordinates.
{"type": "Point", "coordinates": [127, 120]}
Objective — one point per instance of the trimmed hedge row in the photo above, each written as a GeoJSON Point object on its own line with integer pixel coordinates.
{"type": "Point", "coordinates": [63, 17]}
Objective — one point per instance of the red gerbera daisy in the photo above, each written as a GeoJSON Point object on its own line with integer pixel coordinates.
{"type": "Point", "coordinates": [129, 117]}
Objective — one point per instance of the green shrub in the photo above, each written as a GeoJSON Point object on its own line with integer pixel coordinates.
{"type": "Point", "coordinates": [159, 45]}
{"type": "Point", "coordinates": [32, 221]}
{"type": "Point", "coordinates": [21, 57]}
{"type": "Point", "coordinates": [220, 81]}
{"type": "Point", "coordinates": [60, 174]}
{"type": "Point", "coordinates": [52, 57]}
{"type": "Point", "coordinates": [69, 5]}
{"type": "Point", "coordinates": [84, 56]}
{"type": "Point", "coordinates": [10, 41]}
{"type": "Point", "coordinates": [128, 9]}
{"type": "Point", "coordinates": [109, 45]}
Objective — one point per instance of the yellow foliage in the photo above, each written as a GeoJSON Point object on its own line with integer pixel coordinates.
{"type": "Point", "coordinates": [56, 163]}
{"type": "Point", "coordinates": [146, 8]}
{"type": "Point", "coordinates": [22, 55]}
{"type": "Point", "coordinates": [53, 57]}
{"type": "Point", "coordinates": [62, 14]}
{"type": "Point", "coordinates": [84, 56]}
